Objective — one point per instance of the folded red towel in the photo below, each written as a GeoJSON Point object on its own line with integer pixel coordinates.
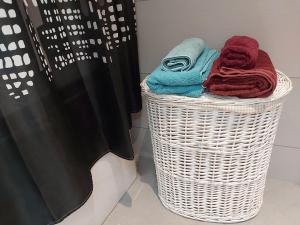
{"type": "Point", "coordinates": [257, 82]}
{"type": "Point", "coordinates": [239, 52]}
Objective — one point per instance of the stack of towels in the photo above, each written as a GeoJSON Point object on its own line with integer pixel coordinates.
{"type": "Point", "coordinates": [183, 71]}
{"type": "Point", "coordinates": [241, 70]}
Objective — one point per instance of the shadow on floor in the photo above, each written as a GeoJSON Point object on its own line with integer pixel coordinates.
{"type": "Point", "coordinates": [146, 170]}
{"type": "Point", "coordinates": [146, 174]}
{"type": "Point", "coordinates": [126, 200]}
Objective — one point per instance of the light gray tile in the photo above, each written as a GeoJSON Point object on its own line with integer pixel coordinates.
{"type": "Point", "coordinates": [146, 209]}
{"type": "Point", "coordinates": [141, 205]}
{"type": "Point", "coordinates": [140, 119]}
{"type": "Point", "coordinates": [141, 140]}
{"type": "Point", "coordinates": [163, 24]}
{"type": "Point", "coordinates": [289, 125]}
{"type": "Point", "coordinates": [86, 215]}
{"type": "Point", "coordinates": [281, 205]}
{"type": "Point", "coordinates": [285, 164]}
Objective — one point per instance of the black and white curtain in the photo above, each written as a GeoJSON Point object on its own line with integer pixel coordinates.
{"type": "Point", "coordinates": [69, 79]}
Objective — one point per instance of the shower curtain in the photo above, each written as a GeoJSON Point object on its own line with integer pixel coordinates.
{"type": "Point", "coordinates": [69, 79]}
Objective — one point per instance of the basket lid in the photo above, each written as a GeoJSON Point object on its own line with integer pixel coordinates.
{"type": "Point", "coordinates": [284, 86]}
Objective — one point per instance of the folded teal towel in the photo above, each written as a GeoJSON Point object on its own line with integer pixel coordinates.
{"type": "Point", "coordinates": [187, 83]}
{"type": "Point", "coordinates": [184, 56]}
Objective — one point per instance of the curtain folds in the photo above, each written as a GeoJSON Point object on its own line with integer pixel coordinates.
{"type": "Point", "coordinates": [69, 79]}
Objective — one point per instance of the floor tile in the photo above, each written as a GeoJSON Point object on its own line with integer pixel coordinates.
{"type": "Point", "coordinates": [141, 139]}
{"type": "Point", "coordinates": [285, 164]}
{"type": "Point", "coordinates": [281, 205]}
{"type": "Point", "coordinates": [141, 205]}
{"type": "Point", "coordinates": [140, 119]}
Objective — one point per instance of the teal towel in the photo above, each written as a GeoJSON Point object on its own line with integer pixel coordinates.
{"type": "Point", "coordinates": [184, 56]}
{"type": "Point", "coordinates": [187, 83]}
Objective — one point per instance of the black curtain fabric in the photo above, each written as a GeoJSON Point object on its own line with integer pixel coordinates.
{"type": "Point", "coordinates": [69, 80]}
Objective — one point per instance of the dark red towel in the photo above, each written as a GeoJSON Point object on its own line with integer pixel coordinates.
{"type": "Point", "coordinates": [257, 82]}
{"type": "Point", "coordinates": [240, 52]}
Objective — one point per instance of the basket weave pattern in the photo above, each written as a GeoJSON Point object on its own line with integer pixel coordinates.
{"type": "Point", "coordinates": [212, 154]}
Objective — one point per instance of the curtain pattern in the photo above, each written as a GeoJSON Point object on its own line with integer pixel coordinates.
{"type": "Point", "coordinates": [69, 79]}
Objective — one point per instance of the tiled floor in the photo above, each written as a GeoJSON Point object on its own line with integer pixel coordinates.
{"type": "Point", "coordinates": [141, 206]}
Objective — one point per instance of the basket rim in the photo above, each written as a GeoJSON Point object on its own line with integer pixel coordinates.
{"type": "Point", "coordinates": [283, 88]}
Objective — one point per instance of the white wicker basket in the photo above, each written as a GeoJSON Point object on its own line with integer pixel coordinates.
{"type": "Point", "coordinates": [212, 153]}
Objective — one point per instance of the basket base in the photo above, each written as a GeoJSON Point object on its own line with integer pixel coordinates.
{"type": "Point", "coordinates": [212, 219]}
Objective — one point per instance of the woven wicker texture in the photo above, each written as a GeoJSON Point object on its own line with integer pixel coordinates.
{"type": "Point", "coordinates": [212, 153]}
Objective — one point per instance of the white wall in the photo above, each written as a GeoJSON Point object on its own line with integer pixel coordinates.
{"type": "Point", "coordinates": [274, 23]}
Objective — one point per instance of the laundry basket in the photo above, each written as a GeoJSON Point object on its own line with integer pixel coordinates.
{"type": "Point", "coordinates": [212, 153]}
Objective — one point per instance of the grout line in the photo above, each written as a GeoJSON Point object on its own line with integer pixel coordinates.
{"type": "Point", "coordinates": [116, 205]}
{"type": "Point", "coordinates": [285, 146]}
{"type": "Point", "coordinates": [140, 189]}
